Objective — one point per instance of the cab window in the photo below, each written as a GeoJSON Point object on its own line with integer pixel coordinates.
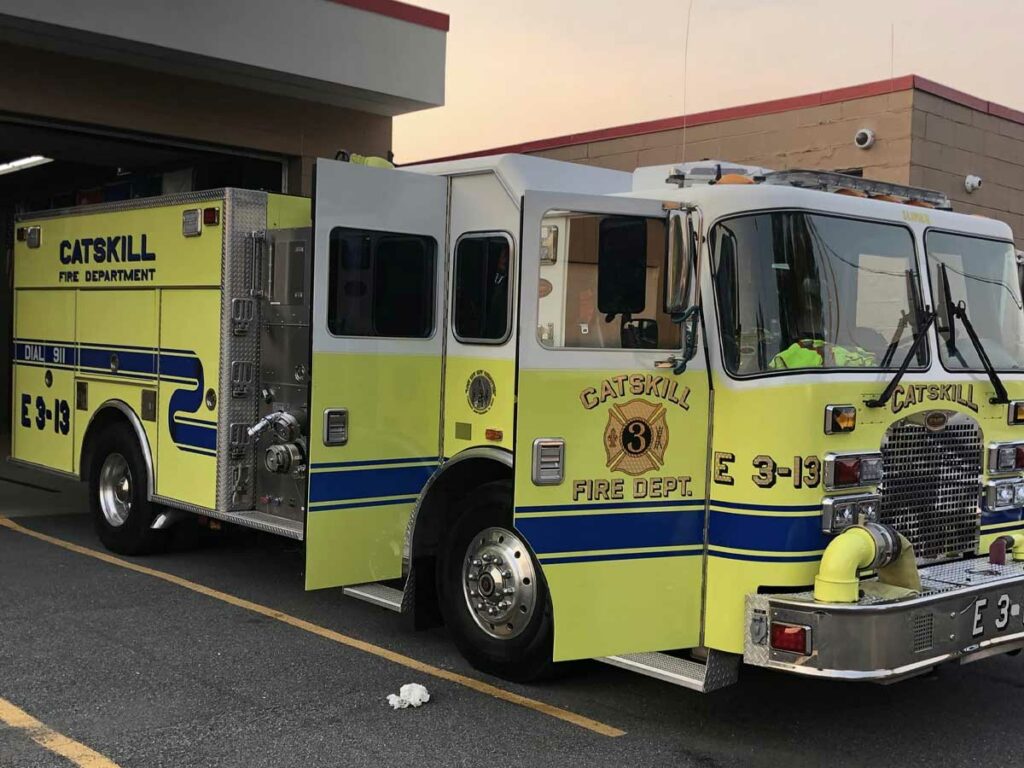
{"type": "Point", "coordinates": [482, 296]}
{"type": "Point", "coordinates": [601, 282]}
{"type": "Point", "coordinates": [380, 284]}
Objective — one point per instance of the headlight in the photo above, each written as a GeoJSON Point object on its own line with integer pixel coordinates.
{"type": "Point", "coordinates": [1005, 457]}
{"type": "Point", "coordinates": [840, 512]}
{"type": "Point", "coordinates": [1004, 494]}
{"type": "Point", "coordinates": [852, 470]}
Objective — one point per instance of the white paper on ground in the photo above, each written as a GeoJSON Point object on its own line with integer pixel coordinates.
{"type": "Point", "coordinates": [410, 694]}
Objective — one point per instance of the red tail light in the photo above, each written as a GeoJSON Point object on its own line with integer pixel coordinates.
{"type": "Point", "coordinates": [792, 638]}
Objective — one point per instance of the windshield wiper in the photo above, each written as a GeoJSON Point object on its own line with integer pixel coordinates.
{"type": "Point", "coordinates": [1001, 398]}
{"type": "Point", "coordinates": [950, 312]}
{"type": "Point", "coordinates": [919, 338]}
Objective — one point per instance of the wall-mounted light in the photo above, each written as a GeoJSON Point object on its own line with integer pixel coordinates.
{"type": "Point", "coordinates": [972, 183]}
{"type": "Point", "coordinates": [22, 163]}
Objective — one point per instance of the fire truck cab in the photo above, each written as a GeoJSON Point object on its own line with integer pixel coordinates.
{"type": "Point", "coordinates": [675, 420]}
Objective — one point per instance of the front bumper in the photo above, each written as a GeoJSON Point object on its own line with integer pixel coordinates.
{"type": "Point", "coordinates": [966, 611]}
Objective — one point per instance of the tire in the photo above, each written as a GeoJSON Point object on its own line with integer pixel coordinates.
{"type": "Point", "coordinates": [118, 480]}
{"type": "Point", "coordinates": [515, 642]}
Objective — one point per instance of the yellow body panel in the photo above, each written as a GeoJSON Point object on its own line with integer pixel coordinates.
{"type": "Point", "coordinates": [465, 427]}
{"type": "Point", "coordinates": [287, 211]}
{"type": "Point", "coordinates": [620, 540]}
{"type": "Point", "coordinates": [189, 366]}
{"type": "Point", "coordinates": [98, 307]}
{"type": "Point", "coordinates": [765, 516]}
{"type": "Point", "coordinates": [361, 494]}
{"type": "Point", "coordinates": [138, 248]}
{"type": "Point", "coordinates": [41, 433]}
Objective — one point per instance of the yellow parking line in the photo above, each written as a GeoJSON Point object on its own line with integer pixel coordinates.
{"type": "Point", "coordinates": [42, 734]}
{"type": "Point", "coordinates": [406, 661]}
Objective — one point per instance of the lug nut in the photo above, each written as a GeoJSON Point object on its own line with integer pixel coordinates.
{"type": "Point", "coordinates": [479, 606]}
{"type": "Point", "coordinates": [471, 577]}
{"type": "Point", "coordinates": [506, 574]}
{"type": "Point", "coordinates": [487, 558]}
{"type": "Point", "coordinates": [510, 590]}
{"type": "Point", "coordinates": [476, 563]}
{"type": "Point", "coordinates": [472, 593]}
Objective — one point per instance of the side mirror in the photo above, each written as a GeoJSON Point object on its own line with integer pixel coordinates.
{"type": "Point", "coordinates": [679, 271]}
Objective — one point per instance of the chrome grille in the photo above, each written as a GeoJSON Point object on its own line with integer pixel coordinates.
{"type": "Point", "coordinates": [931, 483]}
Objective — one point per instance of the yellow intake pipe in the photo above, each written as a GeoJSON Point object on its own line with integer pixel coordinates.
{"type": "Point", "coordinates": [1018, 545]}
{"type": "Point", "coordinates": [858, 548]}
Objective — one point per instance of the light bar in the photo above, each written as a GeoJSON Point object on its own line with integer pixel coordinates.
{"type": "Point", "coordinates": [24, 162]}
{"type": "Point", "coordinates": [832, 182]}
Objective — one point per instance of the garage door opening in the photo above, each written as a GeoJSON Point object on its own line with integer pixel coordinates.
{"type": "Point", "coordinates": [48, 166]}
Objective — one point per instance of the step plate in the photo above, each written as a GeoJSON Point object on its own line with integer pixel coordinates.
{"type": "Point", "coordinates": [720, 670]}
{"type": "Point", "coordinates": [378, 594]}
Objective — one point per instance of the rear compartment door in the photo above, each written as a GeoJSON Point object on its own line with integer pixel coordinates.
{"type": "Point", "coordinates": [379, 245]}
{"type": "Point", "coordinates": [618, 527]}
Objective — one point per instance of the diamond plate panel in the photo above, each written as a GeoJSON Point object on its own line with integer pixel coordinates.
{"type": "Point", "coordinates": [245, 213]}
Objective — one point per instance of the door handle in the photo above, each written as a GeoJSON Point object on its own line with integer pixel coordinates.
{"type": "Point", "coordinates": [669, 362]}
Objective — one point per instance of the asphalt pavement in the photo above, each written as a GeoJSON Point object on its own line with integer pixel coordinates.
{"type": "Point", "coordinates": [149, 672]}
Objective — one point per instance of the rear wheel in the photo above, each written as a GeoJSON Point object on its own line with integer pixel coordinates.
{"type": "Point", "coordinates": [493, 595]}
{"type": "Point", "coordinates": [118, 480]}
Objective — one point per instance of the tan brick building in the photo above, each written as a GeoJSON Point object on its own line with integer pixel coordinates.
{"type": "Point", "coordinates": [926, 134]}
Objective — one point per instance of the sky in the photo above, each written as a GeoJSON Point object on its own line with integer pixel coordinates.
{"type": "Point", "coordinates": [519, 70]}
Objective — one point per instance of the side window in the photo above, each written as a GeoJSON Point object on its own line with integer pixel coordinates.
{"type": "Point", "coordinates": [601, 283]}
{"type": "Point", "coordinates": [481, 302]}
{"type": "Point", "coordinates": [380, 284]}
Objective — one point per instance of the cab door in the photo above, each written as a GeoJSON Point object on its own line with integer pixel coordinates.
{"type": "Point", "coordinates": [611, 442]}
{"type": "Point", "coordinates": [378, 243]}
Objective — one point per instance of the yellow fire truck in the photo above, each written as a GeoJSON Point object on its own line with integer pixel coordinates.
{"type": "Point", "coordinates": [675, 420]}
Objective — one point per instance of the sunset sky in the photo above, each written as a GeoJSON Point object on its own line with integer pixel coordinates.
{"type": "Point", "coordinates": [530, 69]}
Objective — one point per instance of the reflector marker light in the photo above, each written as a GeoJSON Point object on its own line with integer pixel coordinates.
{"type": "Point", "coordinates": [1016, 414]}
{"type": "Point", "coordinates": [840, 418]}
{"type": "Point", "coordinates": [791, 638]}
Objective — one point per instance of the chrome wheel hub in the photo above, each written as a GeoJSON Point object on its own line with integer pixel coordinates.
{"type": "Point", "coordinates": [499, 583]}
{"type": "Point", "coordinates": [116, 489]}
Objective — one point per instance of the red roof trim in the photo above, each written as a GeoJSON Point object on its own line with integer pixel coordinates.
{"type": "Point", "coordinates": [401, 11]}
{"type": "Point", "coordinates": [862, 91]}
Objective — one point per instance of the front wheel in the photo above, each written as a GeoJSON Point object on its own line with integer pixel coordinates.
{"type": "Point", "coordinates": [493, 595]}
{"type": "Point", "coordinates": [122, 513]}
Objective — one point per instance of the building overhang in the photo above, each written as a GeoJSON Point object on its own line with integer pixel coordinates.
{"type": "Point", "coordinates": [378, 56]}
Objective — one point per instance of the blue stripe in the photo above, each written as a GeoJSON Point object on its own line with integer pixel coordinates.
{"type": "Point", "coordinates": [622, 556]}
{"type": "Point", "coordinates": [195, 436]}
{"type": "Point", "coordinates": [583, 533]}
{"type": "Point", "coordinates": [361, 504]}
{"type": "Point", "coordinates": [772, 534]}
{"type": "Point", "coordinates": [613, 506]}
{"type": "Point", "coordinates": [128, 362]}
{"type": "Point", "coordinates": [54, 355]}
{"type": "Point", "coordinates": [373, 462]}
{"type": "Point", "coordinates": [767, 558]}
{"type": "Point", "coordinates": [1006, 516]}
{"type": "Point", "coordinates": [767, 507]}
{"type": "Point", "coordinates": [368, 483]}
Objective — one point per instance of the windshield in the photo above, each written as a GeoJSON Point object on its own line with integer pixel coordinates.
{"type": "Point", "coordinates": [801, 290]}
{"type": "Point", "coordinates": [982, 274]}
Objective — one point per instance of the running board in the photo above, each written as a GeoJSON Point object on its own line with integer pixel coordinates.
{"type": "Point", "coordinates": [261, 521]}
{"type": "Point", "coordinates": [720, 670]}
{"type": "Point", "coordinates": [378, 594]}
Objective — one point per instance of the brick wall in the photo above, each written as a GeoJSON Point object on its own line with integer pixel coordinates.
{"type": "Point", "coordinates": [818, 137]}
{"type": "Point", "coordinates": [951, 140]}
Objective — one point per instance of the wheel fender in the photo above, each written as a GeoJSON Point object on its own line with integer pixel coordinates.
{"type": "Point", "coordinates": [126, 412]}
